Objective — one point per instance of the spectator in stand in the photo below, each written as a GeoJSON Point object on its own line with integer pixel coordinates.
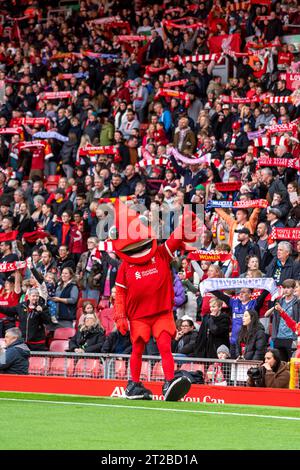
{"type": "Point", "coordinates": [276, 372]}
{"type": "Point", "coordinates": [218, 373]}
{"type": "Point", "coordinates": [240, 221]}
{"type": "Point", "coordinates": [9, 296]}
{"type": "Point", "coordinates": [64, 260]}
{"type": "Point", "coordinates": [282, 335]}
{"type": "Point", "coordinates": [185, 340]}
{"type": "Point", "coordinates": [238, 306]}
{"type": "Point", "coordinates": [6, 256]}
{"type": "Point", "coordinates": [251, 341]}
{"type": "Point", "coordinates": [252, 266]}
{"type": "Point", "coordinates": [14, 359]}
{"type": "Point", "coordinates": [245, 248]}
{"type": "Point", "coordinates": [283, 266]}
{"type": "Point", "coordinates": [214, 331]}
{"type": "Point", "coordinates": [66, 297]}
{"type": "Point", "coordinates": [90, 336]}
{"type": "Point", "coordinates": [32, 315]}
{"type": "Point", "coordinates": [116, 343]}
{"type": "Point", "coordinates": [263, 245]}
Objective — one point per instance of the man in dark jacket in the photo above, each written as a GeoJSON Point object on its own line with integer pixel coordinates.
{"type": "Point", "coordinates": [15, 357]}
{"type": "Point", "coordinates": [237, 141]}
{"type": "Point", "coordinates": [32, 315]}
{"type": "Point", "coordinates": [245, 248]}
{"type": "Point", "coordinates": [283, 266]}
{"type": "Point", "coordinates": [192, 174]}
{"type": "Point", "coordinates": [60, 204]}
{"type": "Point", "coordinates": [156, 47]}
{"type": "Point", "coordinates": [115, 343]}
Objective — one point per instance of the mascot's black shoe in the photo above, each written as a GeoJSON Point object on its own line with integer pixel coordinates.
{"type": "Point", "coordinates": [137, 391]}
{"type": "Point", "coordinates": [175, 389]}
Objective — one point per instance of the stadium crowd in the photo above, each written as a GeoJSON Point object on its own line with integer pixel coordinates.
{"type": "Point", "coordinates": [162, 105]}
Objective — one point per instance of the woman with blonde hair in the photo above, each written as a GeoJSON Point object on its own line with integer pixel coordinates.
{"type": "Point", "coordinates": [214, 330]}
{"type": "Point", "coordinates": [85, 141]}
{"type": "Point", "coordinates": [90, 336]}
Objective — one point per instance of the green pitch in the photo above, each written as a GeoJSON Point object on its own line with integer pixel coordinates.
{"type": "Point", "coordinates": [56, 422]}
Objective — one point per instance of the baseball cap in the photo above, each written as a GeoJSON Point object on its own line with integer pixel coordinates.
{"type": "Point", "coordinates": [236, 125]}
{"type": "Point", "coordinates": [200, 186]}
{"type": "Point", "coordinates": [225, 106]}
{"type": "Point", "coordinates": [274, 210]}
{"type": "Point", "coordinates": [168, 188]}
{"type": "Point", "coordinates": [243, 230]}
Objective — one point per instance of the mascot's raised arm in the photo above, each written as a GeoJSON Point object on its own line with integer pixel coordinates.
{"type": "Point", "coordinates": [144, 294]}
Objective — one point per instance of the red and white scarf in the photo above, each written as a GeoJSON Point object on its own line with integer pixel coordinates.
{"type": "Point", "coordinates": [271, 141]}
{"type": "Point", "coordinates": [200, 57]}
{"type": "Point", "coordinates": [175, 83]}
{"type": "Point", "coordinates": [285, 233]}
{"type": "Point", "coordinates": [152, 162]}
{"type": "Point", "coordinates": [55, 95]}
{"type": "Point", "coordinates": [31, 122]}
{"type": "Point", "coordinates": [280, 162]}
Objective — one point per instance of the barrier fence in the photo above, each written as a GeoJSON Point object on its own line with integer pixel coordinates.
{"type": "Point", "coordinates": [112, 366]}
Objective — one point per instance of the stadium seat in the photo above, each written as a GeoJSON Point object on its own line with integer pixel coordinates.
{"type": "Point", "coordinates": [106, 319]}
{"type": "Point", "coordinates": [64, 333]}
{"type": "Point", "coordinates": [104, 303]}
{"type": "Point", "coordinates": [89, 368]}
{"type": "Point", "coordinates": [38, 366]}
{"type": "Point", "coordinates": [120, 369]}
{"type": "Point", "coordinates": [145, 370]}
{"type": "Point", "coordinates": [53, 179]}
{"type": "Point", "coordinates": [157, 372]}
{"type": "Point", "coordinates": [62, 366]}
{"type": "Point", "coordinates": [192, 367]}
{"type": "Point", "coordinates": [50, 187]}
{"type": "Point", "coordinates": [59, 345]}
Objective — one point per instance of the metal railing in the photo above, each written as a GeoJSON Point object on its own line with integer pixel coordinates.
{"type": "Point", "coordinates": [116, 366]}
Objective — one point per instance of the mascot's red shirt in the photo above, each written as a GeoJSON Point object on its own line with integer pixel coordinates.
{"type": "Point", "coordinates": [149, 287]}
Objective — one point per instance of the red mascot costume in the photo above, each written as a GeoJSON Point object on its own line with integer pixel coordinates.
{"type": "Point", "coordinates": [144, 295]}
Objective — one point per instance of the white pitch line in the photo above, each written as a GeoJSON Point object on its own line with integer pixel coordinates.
{"type": "Point", "coordinates": [174, 410]}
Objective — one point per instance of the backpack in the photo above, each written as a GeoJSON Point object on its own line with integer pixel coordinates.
{"type": "Point", "coordinates": [195, 377]}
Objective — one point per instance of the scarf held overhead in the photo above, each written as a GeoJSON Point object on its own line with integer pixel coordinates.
{"type": "Point", "coordinates": [268, 283]}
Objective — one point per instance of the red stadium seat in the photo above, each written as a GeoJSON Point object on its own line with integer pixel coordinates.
{"type": "Point", "coordinates": [64, 333]}
{"type": "Point", "coordinates": [106, 319]}
{"type": "Point", "coordinates": [53, 179]}
{"type": "Point", "coordinates": [38, 366]}
{"type": "Point", "coordinates": [104, 303]}
{"type": "Point", "coordinates": [59, 345]}
{"type": "Point", "coordinates": [157, 372]}
{"type": "Point", "coordinates": [120, 369]}
{"type": "Point", "coordinates": [192, 367]}
{"type": "Point", "coordinates": [50, 187]}
{"type": "Point", "coordinates": [145, 370]}
{"type": "Point", "coordinates": [89, 368]}
{"type": "Point", "coordinates": [62, 366]}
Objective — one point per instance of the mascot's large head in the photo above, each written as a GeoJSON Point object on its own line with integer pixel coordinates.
{"type": "Point", "coordinates": [133, 239]}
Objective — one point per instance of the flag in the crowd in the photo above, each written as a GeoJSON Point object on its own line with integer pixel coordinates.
{"type": "Point", "coordinates": [231, 42]}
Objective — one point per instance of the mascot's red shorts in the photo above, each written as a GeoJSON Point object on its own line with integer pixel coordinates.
{"type": "Point", "coordinates": [153, 325]}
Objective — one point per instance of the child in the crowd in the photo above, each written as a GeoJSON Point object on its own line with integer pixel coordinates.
{"type": "Point", "coordinates": [218, 373]}
{"type": "Point", "coordinates": [50, 282]}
